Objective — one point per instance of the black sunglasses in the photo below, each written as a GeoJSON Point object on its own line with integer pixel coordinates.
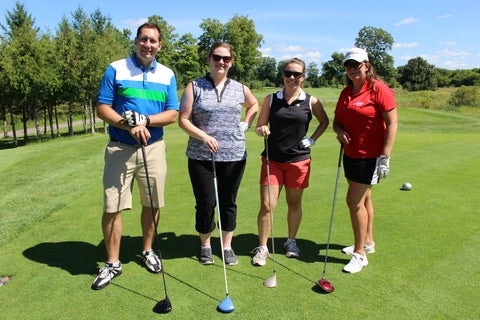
{"type": "Point", "coordinates": [295, 74]}
{"type": "Point", "coordinates": [352, 64]}
{"type": "Point", "coordinates": [217, 58]}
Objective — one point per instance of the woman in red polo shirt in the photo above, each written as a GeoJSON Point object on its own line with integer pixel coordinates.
{"type": "Point", "coordinates": [366, 124]}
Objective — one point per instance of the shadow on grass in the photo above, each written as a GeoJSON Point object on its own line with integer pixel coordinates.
{"type": "Point", "coordinates": [77, 257]}
{"type": "Point", "coordinates": [71, 256]}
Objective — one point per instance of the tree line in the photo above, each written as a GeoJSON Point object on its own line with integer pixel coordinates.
{"type": "Point", "coordinates": [47, 77]}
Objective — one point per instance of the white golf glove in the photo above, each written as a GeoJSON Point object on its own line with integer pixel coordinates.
{"type": "Point", "coordinates": [383, 166]}
{"type": "Point", "coordinates": [244, 126]}
{"type": "Point", "coordinates": [134, 118]}
{"type": "Point", "coordinates": [307, 142]}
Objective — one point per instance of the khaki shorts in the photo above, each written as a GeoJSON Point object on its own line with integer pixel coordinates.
{"type": "Point", "coordinates": [123, 163]}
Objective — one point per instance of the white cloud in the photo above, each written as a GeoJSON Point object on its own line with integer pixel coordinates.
{"type": "Point", "coordinates": [135, 23]}
{"type": "Point", "coordinates": [406, 21]}
{"type": "Point", "coordinates": [405, 45]}
{"type": "Point", "coordinates": [284, 48]}
{"type": "Point", "coordinates": [449, 43]}
{"type": "Point", "coordinates": [445, 16]}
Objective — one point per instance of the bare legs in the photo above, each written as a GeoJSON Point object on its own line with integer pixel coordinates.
{"type": "Point", "coordinates": [112, 232]}
{"type": "Point", "coordinates": [359, 202]}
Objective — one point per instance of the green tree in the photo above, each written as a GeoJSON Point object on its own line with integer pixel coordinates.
{"type": "Point", "coordinates": [169, 38]}
{"type": "Point", "coordinates": [21, 48]}
{"type": "Point", "coordinates": [266, 71]}
{"type": "Point", "coordinates": [333, 72]}
{"type": "Point", "coordinates": [313, 75]}
{"type": "Point", "coordinates": [240, 33]}
{"type": "Point", "coordinates": [417, 75]}
{"type": "Point", "coordinates": [464, 77]}
{"type": "Point", "coordinates": [187, 65]}
{"type": "Point", "coordinates": [377, 42]}
{"type": "Point", "coordinates": [213, 31]}
{"type": "Point", "coordinates": [444, 77]}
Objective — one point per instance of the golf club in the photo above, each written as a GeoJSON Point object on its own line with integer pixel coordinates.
{"type": "Point", "coordinates": [324, 283]}
{"type": "Point", "coordinates": [270, 282]}
{"type": "Point", "coordinates": [226, 305]}
{"type": "Point", "coordinates": [162, 306]}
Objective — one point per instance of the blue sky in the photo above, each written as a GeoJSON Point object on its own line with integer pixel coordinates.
{"type": "Point", "coordinates": [445, 33]}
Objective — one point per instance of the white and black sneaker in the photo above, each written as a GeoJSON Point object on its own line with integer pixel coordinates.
{"type": "Point", "coordinates": [152, 262]}
{"type": "Point", "coordinates": [106, 274]}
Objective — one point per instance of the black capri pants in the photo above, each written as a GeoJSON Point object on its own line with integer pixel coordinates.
{"type": "Point", "coordinates": [229, 176]}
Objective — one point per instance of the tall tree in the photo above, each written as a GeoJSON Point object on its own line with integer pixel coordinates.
{"type": "Point", "coordinates": [266, 71]}
{"type": "Point", "coordinates": [377, 42]}
{"type": "Point", "coordinates": [417, 75]}
{"type": "Point", "coordinates": [66, 43]}
{"type": "Point", "coordinates": [213, 31]}
{"type": "Point", "coordinates": [187, 59]}
{"type": "Point", "coordinates": [168, 52]}
{"type": "Point", "coordinates": [241, 34]}
{"type": "Point", "coordinates": [21, 39]}
{"type": "Point", "coordinates": [313, 75]}
{"type": "Point", "coordinates": [333, 72]}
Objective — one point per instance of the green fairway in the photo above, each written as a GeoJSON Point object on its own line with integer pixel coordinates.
{"type": "Point", "coordinates": [425, 265]}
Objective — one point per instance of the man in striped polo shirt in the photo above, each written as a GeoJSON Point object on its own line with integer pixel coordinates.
{"type": "Point", "coordinates": [137, 98]}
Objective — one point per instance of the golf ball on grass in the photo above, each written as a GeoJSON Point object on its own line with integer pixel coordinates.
{"type": "Point", "coordinates": [407, 186]}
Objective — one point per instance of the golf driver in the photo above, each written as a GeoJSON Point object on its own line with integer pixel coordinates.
{"type": "Point", "coordinates": [270, 282]}
{"type": "Point", "coordinates": [226, 305]}
{"type": "Point", "coordinates": [162, 306]}
{"type": "Point", "coordinates": [324, 283]}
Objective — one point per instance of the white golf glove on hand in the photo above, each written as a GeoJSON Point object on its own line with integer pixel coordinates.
{"type": "Point", "coordinates": [244, 126]}
{"type": "Point", "coordinates": [134, 118]}
{"type": "Point", "coordinates": [307, 142]}
{"type": "Point", "coordinates": [383, 166]}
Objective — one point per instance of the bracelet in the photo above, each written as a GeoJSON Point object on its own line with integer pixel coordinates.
{"type": "Point", "coordinates": [148, 120]}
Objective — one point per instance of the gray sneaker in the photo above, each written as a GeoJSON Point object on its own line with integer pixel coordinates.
{"type": "Point", "coordinates": [291, 249]}
{"type": "Point", "coordinates": [152, 262]}
{"type": "Point", "coordinates": [205, 256]}
{"type": "Point", "coordinates": [230, 258]}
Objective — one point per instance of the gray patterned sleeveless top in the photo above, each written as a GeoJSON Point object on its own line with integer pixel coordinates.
{"type": "Point", "coordinates": [218, 114]}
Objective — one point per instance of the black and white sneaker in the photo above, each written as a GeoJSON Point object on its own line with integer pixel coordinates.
{"type": "Point", "coordinates": [106, 274]}
{"type": "Point", "coordinates": [152, 262]}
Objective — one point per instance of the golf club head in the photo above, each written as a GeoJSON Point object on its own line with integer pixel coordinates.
{"type": "Point", "coordinates": [163, 306]}
{"type": "Point", "coordinates": [325, 285]}
{"type": "Point", "coordinates": [271, 282]}
{"type": "Point", "coordinates": [226, 305]}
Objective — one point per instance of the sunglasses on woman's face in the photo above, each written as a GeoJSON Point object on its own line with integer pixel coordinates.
{"type": "Point", "coordinates": [295, 74]}
{"type": "Point", "coordinates": [225, 59]}
{"type": "Point", "coordinates": [352, 64]}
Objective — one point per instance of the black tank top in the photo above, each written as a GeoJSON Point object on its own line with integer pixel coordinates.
{"type": "Point", "coordinates": [288, 126]}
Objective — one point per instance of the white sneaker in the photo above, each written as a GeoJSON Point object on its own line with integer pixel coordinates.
{"type": "Point", "coordinates": [369, 248]}
{"type": "Point", "coordinates": [260, 257]}
{"type": "Point", "coordinates": [356, 263]}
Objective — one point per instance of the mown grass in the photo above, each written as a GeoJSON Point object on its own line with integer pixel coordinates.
{"type": "Point", "coordinates": [424, 267]}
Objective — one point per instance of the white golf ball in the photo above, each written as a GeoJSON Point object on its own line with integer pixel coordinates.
{"type": "Point", "coordinates": [407, 186]}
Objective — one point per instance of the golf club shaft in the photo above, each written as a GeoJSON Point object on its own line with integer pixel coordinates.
{"type": "Point", "coordinates": [219, 220]}
{"type": "Point", "coordinates": [333, 206]}
{"type": "Point", "coordinates": [267, 165]}
{"type": "Point", "coordinates": [155, 223]}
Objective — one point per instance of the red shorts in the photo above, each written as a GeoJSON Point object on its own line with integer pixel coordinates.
{"type": "Point", "coordinates": [294, 175]}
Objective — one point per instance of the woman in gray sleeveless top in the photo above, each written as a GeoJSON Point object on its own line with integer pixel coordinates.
{"type": "Point", "coordinates": [211, 114]}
